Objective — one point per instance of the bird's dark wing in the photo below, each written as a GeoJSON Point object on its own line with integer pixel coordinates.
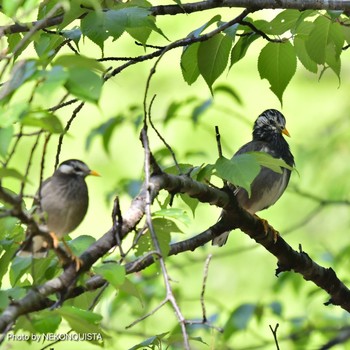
{"type": "Point", "coordinates": [267, 187]}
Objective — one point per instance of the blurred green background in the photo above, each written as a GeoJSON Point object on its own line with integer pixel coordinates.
{"type": "Point", "coordinates": [241, 274]}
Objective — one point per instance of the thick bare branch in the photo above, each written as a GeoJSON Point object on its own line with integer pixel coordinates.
{"type": "Point", "coordinates": [173, 9]}
{"type": "Point", "coordinates": [288, 258]}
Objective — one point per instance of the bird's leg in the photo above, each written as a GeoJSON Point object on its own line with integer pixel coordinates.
{"type": "Point", "coordinates": [77, 261]}
{"type": "Point", "coordinates": [55, 241]}
{"type": "Point", "coordinates": [268, 228]}
{"type": "Point", "coordinates": [55, 244]}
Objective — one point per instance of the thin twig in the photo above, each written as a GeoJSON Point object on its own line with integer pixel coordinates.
{"type": "Point", "coordinates": [148, 314]}
{"type": "Point", "coordinates": [162, 138]}
{"type": "Point", "coordinates": [68, 125]}
{"type": "Point", "coordinates": [218, 140]}
{"type": "Point", "coordinates": [205, 276]}
{"type": "Point", "coordinates": [31, 154]}
{"type": "Point", "coordinates": [117, 224]}
{"type": "Point", "coordinates": [147, 169]}
{"type": "Point", "coordinates": [274, 332]}
{"type": "Point", "coordinates": [42, 166]}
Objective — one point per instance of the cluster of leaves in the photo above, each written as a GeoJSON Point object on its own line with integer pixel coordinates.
{"type": "Point", "coordinates": [313, 38]}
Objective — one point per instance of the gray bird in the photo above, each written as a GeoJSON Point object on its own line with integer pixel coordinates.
{"type": "Point", "coordinates": [61, 203]}
{"type": "Point", "coordinates": [268, 186]}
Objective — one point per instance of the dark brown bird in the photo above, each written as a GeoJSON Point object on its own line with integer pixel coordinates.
{"type": "Point", "coordinates": [62, 203]}
{"type": "Point", "coordinates": [268, 186]}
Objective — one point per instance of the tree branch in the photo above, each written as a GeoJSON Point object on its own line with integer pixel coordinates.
{"type": "Point", "coordinates": [162, 10]}
{"type": "Point", "coordinates": [288, 258]}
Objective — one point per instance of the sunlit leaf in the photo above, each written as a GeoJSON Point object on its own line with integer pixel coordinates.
{"type": "Point", "coordinates": [8, 172]}
{"type": "Point", "coordinates": [239, 319]}
{"type": "Point", "coordinates": [43, 120]}
{"type": "Point", "coordinates": [277, 63]}
{"type": "Point", "coordinates": [213, 56]}
{"type": "Point", "coordinates": [111, 272]}
{"type": "Point", "coordinates": [241, 47]}
{"type": "Point", "coordinates": [189, 63]}
{"type": "Point", "coordinates": [84, 84]}
{"type": "Point", "coordinates": [241, 170]}
{"type": "Point", "coordinates": [324, 33]}
{"type": "Point", "coordinates": [5, 139]}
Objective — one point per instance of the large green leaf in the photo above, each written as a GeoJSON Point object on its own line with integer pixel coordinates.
{"type": "Point", "coordinates": [284, 21]}
{"type": "Point", "coordinates": [241, 47]}
{"type": "Point", "coordinates": [5, 139]}
{"type": "Point", "coordinates": [70, 61]}
{"type": "Point", "coordinates": [43, 120]}
{"type": "Point", "coordinates": [111, 272]}
{"type": "Point", "coordinates": [9, 172]}
{"type": "Point", "coordinates": [84, 84]}
{"type": "Point", "coordinates": [94, 27]}
{"type": "Point", "coordinates": [324, 33]}
{"type": "Point", "coordinates": [239, 319]}
{"type": "Point", "coordinates": [241, 170]}
{"type": "Point", "coordinates": [213, 56]}
{"type": "Point", "coordinates": [81, 321]}
{"type": "Point", "coordinates": [21, 72]}
{"type": "Point", "coordinates": [189, 63]}
{"type": "Point", "coordinates": [277, 63]}
{"type": "Point", "coordinates": [266, 160]}
{"type": "Point", "coordinates": [302, 54]}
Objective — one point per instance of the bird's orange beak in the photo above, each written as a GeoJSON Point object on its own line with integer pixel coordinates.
{"type": "Point", "coordinates": [285, 132]}
{"type": "Point", "coordinates": [94, 173]}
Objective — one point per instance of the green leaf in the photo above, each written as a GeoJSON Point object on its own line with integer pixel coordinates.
{"type": "Point", "coordinates": [197, 32]}
{"type": "Point", "coordinates": [241, 48]}
{"type": "Point", "coordinates": [192, 203]}
{"type": "Point", "coordinates": [105, 130]}
{"type": "Point", "coordinates": [21, 72]}
{"type": "Point", "coordinates": [150, 342]}
{"type": "Point", "coordinates": [284, 21]}
{"type": "Point", "coordinates": [18, 267]}
{"type": "Point", "coordinates": [81, 321]}
{"type": "Point", "coordinates": [130, 288]}
{"type": "Point", "coordinates": [111, 272]}
{"type": "Point", "coordinates": [51, 81]}
{"type": "Point", "coordinates": [239, 319]}
{"type": "Point", "coordinates": [266, 160]}
{"type": "Point", "coordinates": [276, 307]}
{"type": "Point", "coordinates": [94, 27]}
{"type": "Point", "coordinates": [174, 213]}
{"type": "Point", "coordinates": [200, 109]}
{"type": "Point", "coordinates": [302, 54]}
{"type": "Point", "coordinates": [277, 63]}
{"type": "Point", "coordinates": [241, 170]}
{"type": "Point", "coordinates": [325, 32]}
{"type": "Point", "coordinates": [229, 91]}
{"type": "Point", "coordinates": [46, 321]}
{"type": "Point", "coordinates": [84, 84]}
{"type": "Point", "coordinates": [213, 56]}
{"type": "Point", "coordinates": [13, 40]}
{"type": "Point", "coordinates": [189, 63]}
{"type": "Point", "coordinates": [44, 120]}
{"type": "Point", "coordinates": [81, 243]}
{"type": "Point", "coordinates": [13, 113]}
{"type": "Point", "coordinates": [5, 140]}
{"type": "Point", "coordinates": [8, 172]}
{"type": "Point", "coordinates": [45, 44]}
{"type": "Point", "coordinates": [79, 61]}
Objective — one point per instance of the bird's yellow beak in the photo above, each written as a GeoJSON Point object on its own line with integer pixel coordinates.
{"type": "Point", "coordinates": [94, 173]}
{"type": "Point", "coordinates": [285, 132]}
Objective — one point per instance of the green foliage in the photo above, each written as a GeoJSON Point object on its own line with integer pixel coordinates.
{"type": "Point", "coordinates": [277, 63]}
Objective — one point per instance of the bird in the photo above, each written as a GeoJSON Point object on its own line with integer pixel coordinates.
{"type": "Point", "coordinates": [61, 202]}
{"type": "Point", "coordinates": [268, 186]}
